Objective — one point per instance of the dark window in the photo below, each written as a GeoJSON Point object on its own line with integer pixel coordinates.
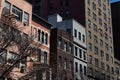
{"type": "Point", "coordinates": [76, 51]}
{"type": "Point", "coordinates": [42, 37]}
{"type": "Point", "coordinates": [75, 33]}
{"type": "Point", "coordinates": [26, 19]}
{"type": "Point", "coordinates": [79, 36]}
{"type": "Point", "coordinates": [38, 55]}
{"type": "Point", "coordinates": [45, 57]}
{"type": "Point", "coordinates": [18, 12]}
{"type": "Point", "coordinates": [7, 7]}
{"type": "Point", "coordinates": [39, 33]}
{"type": "Point", "coordinates": [80, 53]}
{"type": "Point", "coordinates": [76, 67]}
{"type": "Point", "coordinates": [46, 38]}
{"type": "Point", "coordinates": [85, 69]}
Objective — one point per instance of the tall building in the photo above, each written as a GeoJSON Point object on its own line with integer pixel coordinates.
{"type": "Point", "coordinates": [117, 69]}
{"type": "Point", "coordinates": [79, 43]}
{"type": "Point", "coordinates": [115, 9]}
{"type": "Point", "coordinates": [96, 16]}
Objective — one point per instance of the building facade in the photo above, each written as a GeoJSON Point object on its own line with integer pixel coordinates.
{"type": "Point", "coordinates": [115, 10]}
{"type": "Point", "coordinates": [40, 31]}
{"type": "Point", "coordinates": [97, 20]}
{"type": "Point", "coordinates": [79, 41]}
{"type": "Point", "coordinates": [99, 40]}
{"type": "Point", "coordinates": [14, 15]}
{"type": "Point", "coordinates": [61, 59]}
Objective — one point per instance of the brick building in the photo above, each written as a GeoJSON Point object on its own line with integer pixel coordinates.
{"type": "Point", "coordinates": [61, 58]}
{"type": "Point", "coordinates": [14, 14]}
{"type": "Point", "coordinates": [79, 43]}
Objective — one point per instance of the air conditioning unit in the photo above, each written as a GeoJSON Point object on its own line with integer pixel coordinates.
{"type": "Point", "coordinates": [25, 24]}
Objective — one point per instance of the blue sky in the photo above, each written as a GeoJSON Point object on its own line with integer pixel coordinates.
{"type": "Point", "coordinates": [114, 1]}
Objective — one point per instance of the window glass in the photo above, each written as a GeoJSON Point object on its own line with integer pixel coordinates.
{"type": "Point", "coordinates": [18, 12]}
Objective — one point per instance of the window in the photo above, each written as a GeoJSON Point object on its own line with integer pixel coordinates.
{"type": "Point", "coordinates": [46, 38]}
{"type": "Point", "coordinates": [70, 66]}
{"type": "Point", "coordinates": [112, 70]}
{"type": "Point", "coordinates": [108, 68]}
{"type": "Point", "coordinates": [95, 39]}
{"type": "Point", "coordinates": [96, 74]}
{"type": "Point", "coordinates": [65, 46]}
{"type": "Point", "coordinates": [90, 71]}
{"type": "Point", "coordinates": [42, 37]}
{"type": "Point", "coordinates": [88, 2]}
{"type": "Point", "coordinates": [105, 26]}
{"type": "Point", "coordinates": [101, 53]}
{"type": "Point", "coordinates": [59, 43]}
{"type": "Point", "coordinates": [95, 27]}
{"type": "Point", "coordinates": [101, 42]}
{"type": "Point", "coordinates": [106, 46]}
{"type": "Point", "coordinates": [96, 62]}
{"type": "Point", "coordinates": [90, 59]}
{"type": "Point", "coordinates": [26, 19]}
{"type": "Point", "coordinates": [80, 53]}
{"type": "Point", "coordinates": [84, 55]}
{"type": "Point", "coordinates": [7, 7]}
{"type": "Point", "coordinates": [110, 49]}
{"type": "Point", "coordinates": [106, 36]}
{"type": "Point", "coordinates": [76, 67]}
{"type": "Point", "coordinates": [96, 50]}
{"type": "Point", "coordinates": [100, 21]}
{"type": "Point", "coordinates": [83, 38]}
{"type": "Point", "coordinates": [89, 23]}
{"type": "Point", "coordinates": [65, 64]}
{"type": "Point", "coordinates": [99, 12]}
{"type": "Point", "coordinates": [111, 59]}
{"type": "Point", "coordinates": [79, 36]}
{"type": "Point", "coordinates": [89, 12]}
{"type": "Point", "coordinates": [39, 35]}
{"type": "Point", "coordinates": [18, 12]}
{"type": "Point", "coordinates": [107, 57]}
{"type": "Point", "coordinates": [102, 65]}
{"type": "Point", "coordinates": [109, 20]}
{"type": "Point", "coordinates": [76, 51]}
{"type": "Point", "coordinates": [94, 6]}
{"type": "Point", "coordinates": [81, 68]}
{"type": "Point", "coordinates": [101, 32]}
{"type": "Point", "coordinates": [104, 7]}
{"type": "Point", "coordinates": [38, 55]}
{"type": "Point", "coordinates": [103, 76]}
{"type": "Point", "coordinates": [99, 2]}
{"type": "Point", "coordinates": [70, 49]}
{"type": "Point", "coordinates": [59, 61]}
{"type": "Point", "coordinates": [75, 33]}
{"type": "Point", "coordinates": [34, 32]}
{"type": "Point", "coordinates": [89, 35]}
{"type": "Point", "coordinates": [3, 54]}
{"type": "Point", "coordinates": [45, 57]}
{"type": "Point", "coordinates": [104, 16]}
{"type": "Point", "coordinates": [110, 39]}
{"type": "Point", "coordinates": [94, 16]}
{"type": "Point", "coordinates": [90, 46]}
{"type": "Point", "coordinates": [109, 29]}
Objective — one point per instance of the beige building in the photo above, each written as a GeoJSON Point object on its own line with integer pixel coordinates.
{"type": "Point", "coordinates": [117, 69]}
{"type": "Point", "coordinates": [99, 40]}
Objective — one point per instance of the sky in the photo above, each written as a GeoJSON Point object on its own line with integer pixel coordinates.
{"type": "Point", "coordinates": [114, 1]}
